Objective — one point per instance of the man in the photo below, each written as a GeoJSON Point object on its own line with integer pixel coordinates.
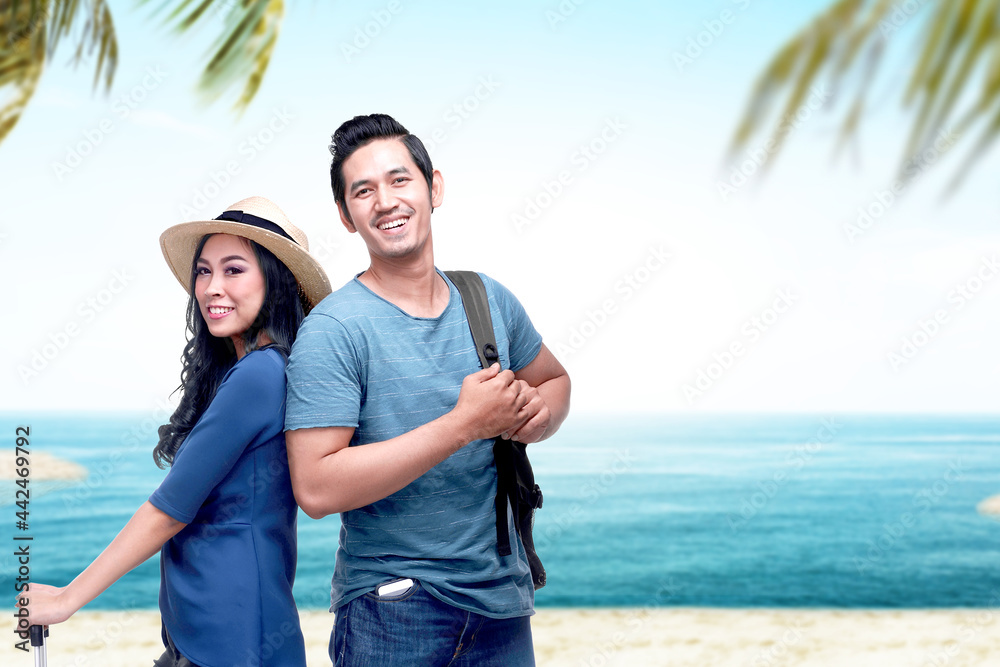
{"type": "Point", "coordinates": [389, 419]}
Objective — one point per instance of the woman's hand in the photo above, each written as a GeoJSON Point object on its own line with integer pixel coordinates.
{"type": "Point", "coordinates": [144, 534]}
{"type": "Point", "coordinates": [46, 605]}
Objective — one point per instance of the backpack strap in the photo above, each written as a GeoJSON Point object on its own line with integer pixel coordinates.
{"type": "Point", "coordinates": [477, 311]}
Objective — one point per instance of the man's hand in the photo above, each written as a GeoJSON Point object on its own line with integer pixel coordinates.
{"type": "Point", "coordinates": [548, 398]}
{"type": "Point", "coordinates": [490, 402]}
{"type": "Point", "coordinates": [534, 417]}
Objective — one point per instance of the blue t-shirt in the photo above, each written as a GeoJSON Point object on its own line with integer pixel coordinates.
{"type": "Point", "coordinates": [226, 578]}
{"type": "Point", "coordinates": [360, 361]}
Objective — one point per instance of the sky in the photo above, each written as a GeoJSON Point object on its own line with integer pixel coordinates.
{"type": "Point", "coordinates": [583, 147]}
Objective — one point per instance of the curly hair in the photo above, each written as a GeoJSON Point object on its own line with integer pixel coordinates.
{"type": "Point", "coordinates": [206, 359]}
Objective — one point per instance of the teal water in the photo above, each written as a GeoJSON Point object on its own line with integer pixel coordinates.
{"type": "Point", "coordinates": [727, 511]}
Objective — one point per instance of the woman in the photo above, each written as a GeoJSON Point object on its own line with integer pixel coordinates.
{"type": "Point", "coordinates": [223, 518]}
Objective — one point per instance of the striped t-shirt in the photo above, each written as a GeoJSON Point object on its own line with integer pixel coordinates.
{"type": "Point", "coordinates": [360, 361]}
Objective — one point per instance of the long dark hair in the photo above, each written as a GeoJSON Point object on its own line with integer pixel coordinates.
{"type": "Point", "coordinates": [207, 359]}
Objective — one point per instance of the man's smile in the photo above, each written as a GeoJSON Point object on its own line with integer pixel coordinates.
{"type": "Point", "coordinates": [393, 223]}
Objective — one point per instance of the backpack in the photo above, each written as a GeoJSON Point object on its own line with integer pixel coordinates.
{"type": "Point", "coordinates": [515, 480]}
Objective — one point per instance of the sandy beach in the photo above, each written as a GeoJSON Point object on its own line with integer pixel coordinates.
{"type": "Point", "coordinates": [43, 467]}
{"type": "Point", "coordinates": [632, 637]}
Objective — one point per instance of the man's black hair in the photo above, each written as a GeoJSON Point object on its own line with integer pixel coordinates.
{"type": "Point", "coordinates": [362, 130]}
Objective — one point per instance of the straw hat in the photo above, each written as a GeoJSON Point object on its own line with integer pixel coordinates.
{"type": "Point", "coordinates": [259, 220]}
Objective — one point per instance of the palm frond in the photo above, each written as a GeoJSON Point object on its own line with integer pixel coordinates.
{"type": "Point", "coordinates": [986, 140]}
{"type": "Point", "coordinates": [97, 34]}
{"type": "Point", "coordinates": [243, 52]}
{"type": "Point", "coordinates": [33, 31]}
{"type": "Point", "coordinates": [834, 41]}
{"type": "Point", "coordinates": [845, 46]}
{"type": "Point", "coordinates": [22, 58]}
{"type": "Point", "coordinates": [968, 41]}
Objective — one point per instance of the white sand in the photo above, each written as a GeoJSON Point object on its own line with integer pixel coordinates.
{"type": "Point", "coordinates": [627, 637]}
{"type": "Point", "coordinates": [43, 467]}
{"type": "Point", "coordinates": [990, 506]}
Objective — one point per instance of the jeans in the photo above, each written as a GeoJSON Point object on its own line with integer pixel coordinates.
{"type": "Point", "coordinates": [171, 657]}
{"type": "Point", "coordinates": [415, 629]}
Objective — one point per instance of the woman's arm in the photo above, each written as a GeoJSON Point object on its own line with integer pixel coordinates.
{"type": "Point", "coordinates": [144, 534]}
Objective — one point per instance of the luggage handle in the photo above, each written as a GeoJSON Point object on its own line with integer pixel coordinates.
{"type": "Point", "coordinates": [38, 635]}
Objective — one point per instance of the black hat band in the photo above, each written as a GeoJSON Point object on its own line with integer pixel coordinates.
{"type": "Point", "coordinates": [254, 221]}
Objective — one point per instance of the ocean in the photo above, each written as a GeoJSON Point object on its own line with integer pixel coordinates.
{"type": "Point", "coordinates": [835, 511]}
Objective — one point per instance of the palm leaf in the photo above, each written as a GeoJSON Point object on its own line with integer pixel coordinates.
{"type": "Point", "coordinates": [829, 47]}
{"type": "Point", "coordinates": [33, 31]}
{"type": "Point", "coordinates": [243, 52]}
{"type": "Point", "coordinates": [21, 60]}
{"type": "Point", "coordinates": [949, 25]}
{"type": "Point", "coordinates": [845, 46]}
{"type": "Point", "coordinates": [860, 44]}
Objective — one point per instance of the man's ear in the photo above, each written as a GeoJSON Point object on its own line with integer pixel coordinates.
{"type": "Point", "coordinates": [437, 189]}
{"type": "Point", "coordinates": [346, 218]}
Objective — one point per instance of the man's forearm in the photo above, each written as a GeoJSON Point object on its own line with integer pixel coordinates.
{"type": "Point", "coordinates": [329, 476]}
{"type": "Point", "coordinates": [555, 393]}
{"type": "Point", "coordinates": [353, 477]}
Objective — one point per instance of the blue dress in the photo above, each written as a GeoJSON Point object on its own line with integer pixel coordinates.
{"type": "Point", "coordinates": [226, 578]}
